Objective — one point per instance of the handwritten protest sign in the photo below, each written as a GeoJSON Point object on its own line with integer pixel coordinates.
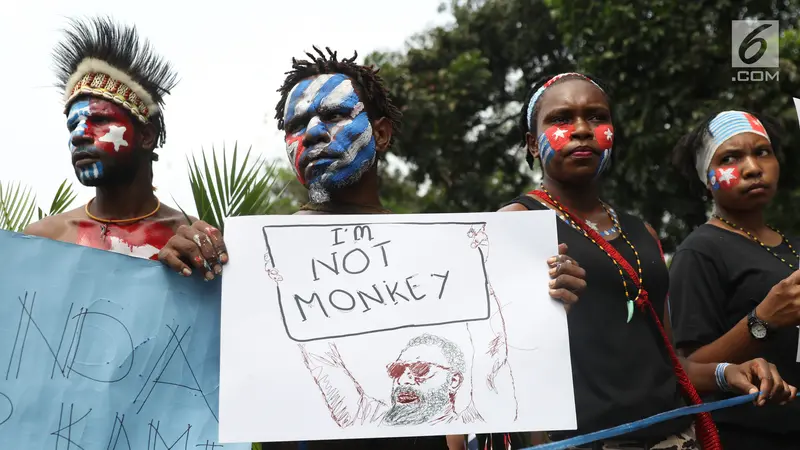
{"type": "Point", "coordinates": [100, 351]}
{"type": "Point", "coordinates": [337, 327]}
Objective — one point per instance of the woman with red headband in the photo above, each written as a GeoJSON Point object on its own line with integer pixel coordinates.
{"type": "Point", "coordinates": [624, 367]}
{"type": "Point", "coordinates": [734, 283]}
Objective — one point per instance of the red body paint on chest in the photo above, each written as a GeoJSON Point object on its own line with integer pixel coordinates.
{"type": "Point", "coordinates": [142, 240]}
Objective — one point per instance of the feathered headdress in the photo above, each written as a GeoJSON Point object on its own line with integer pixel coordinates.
{"type": "Point", "coordinates": [107, 60]}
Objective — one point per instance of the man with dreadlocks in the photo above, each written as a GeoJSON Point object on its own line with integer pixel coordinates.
{"type": "Point", "coordinates": [113, 87]}
{"type": "Point", "coordinates": [337, 117]}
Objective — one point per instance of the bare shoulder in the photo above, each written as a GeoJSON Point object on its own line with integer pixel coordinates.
{"type": "Point", "coordinates": [520, 207]}
{"type": "Point", "coordinates": [513, 207]}
{"type": "Point", "coordinates": [174, 218]}
{"type": "Point", "coordinates": [54, 227]}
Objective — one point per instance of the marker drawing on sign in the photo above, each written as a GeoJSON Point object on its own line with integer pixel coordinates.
{"type": "Point", "coordinates": [433, 379]}
{"type": "Point", "coordinates": [427, 377]}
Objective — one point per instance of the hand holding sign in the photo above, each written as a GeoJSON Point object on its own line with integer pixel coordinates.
{"type": "Point", "coordinates": [568, 278]}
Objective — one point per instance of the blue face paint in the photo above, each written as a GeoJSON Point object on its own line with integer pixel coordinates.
{"type": "Point", "coordinates": [92, 172]}
{"type": "Point", "coordinates": [76, 121]}
{"type": "Point", "coordinates": [329, 137]}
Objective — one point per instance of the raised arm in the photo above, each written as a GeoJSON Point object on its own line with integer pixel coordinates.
{"type": "Point", "coordinates": [345, 398]}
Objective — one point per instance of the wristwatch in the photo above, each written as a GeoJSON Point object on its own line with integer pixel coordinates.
{"type": "Point", "coordinates": [758, 328]}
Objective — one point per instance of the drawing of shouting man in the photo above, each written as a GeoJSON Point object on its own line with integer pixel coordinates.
{"type": "Point", "coordinates": [426, 378]}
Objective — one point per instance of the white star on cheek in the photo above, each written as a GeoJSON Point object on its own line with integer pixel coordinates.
{"type": "Point", "coordinates": [559, 134]}
{"type": "Point", "coordinates": [114, 136]}
{"type": "Point", "coordinates": [609, 134]}
{"type": "Point", "coordinates": [726, 175]}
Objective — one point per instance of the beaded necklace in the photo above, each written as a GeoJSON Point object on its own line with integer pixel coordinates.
{"type": "Point", "coordinates": [614, 228]}
{"type": "Point", "coordinates": [758, 241]}
{"type": "Point", "coordinates": [105, 222]}
{"type": "Point", "coordinates": [568, 218]}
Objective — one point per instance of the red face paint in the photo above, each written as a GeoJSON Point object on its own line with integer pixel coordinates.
{"type": "Point", "coordinates": [143, 239]}
{"type": "Point", "coordinates": [102, 124]}
{"type": "Point", "coordinates": [725, 177]}
{"type": "Point", "coordinates": [604, 134]}
{"type": "Point", "coordinates": [559, 135]}
{"type": "Point", "coordinates": [294, 149]}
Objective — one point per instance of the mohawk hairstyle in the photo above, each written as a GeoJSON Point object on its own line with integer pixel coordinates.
{"type": "Point", "coordinates": [684, 154]}
{"type": "Point", "coordinates": [120, 47]}
{"type": "Point", "coordinates": [378, 103]}
{"type": "Point", "coordinates": [525, 127]}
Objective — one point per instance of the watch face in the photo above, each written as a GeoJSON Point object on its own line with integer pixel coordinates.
{"type": "Point", "coordinates": [758, 331]}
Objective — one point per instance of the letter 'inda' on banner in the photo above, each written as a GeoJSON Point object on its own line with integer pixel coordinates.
{"type": "Point", "coordinates": [101, 351]}
{"type": "Point", "coordinates": [337, 327]}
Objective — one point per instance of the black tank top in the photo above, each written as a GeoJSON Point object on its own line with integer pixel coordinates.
{"type": "Point", "coordinates": [621, 371]}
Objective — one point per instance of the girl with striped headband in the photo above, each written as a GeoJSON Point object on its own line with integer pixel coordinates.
{"type": "Point", "coordinates": [624, 366]}
{"type": "Point", "coordinates": [734, 284]}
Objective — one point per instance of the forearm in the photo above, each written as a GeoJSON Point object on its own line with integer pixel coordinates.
{"type": "Point", "coordinates": [456, 441]}
{"type": "Point", "coordinates": [736, 346]}
{"type": "Point", "coordinates": [701, 375]}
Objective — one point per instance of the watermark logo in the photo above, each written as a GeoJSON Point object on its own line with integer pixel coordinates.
{"type": "Point", "coordinates": [754, 50]}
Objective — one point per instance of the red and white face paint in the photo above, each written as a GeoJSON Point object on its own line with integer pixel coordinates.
{"type": "Point", "coordinates": [604, 134]}
{"type": "Point", "coordinates": [724, 177]}
{"type": "Point", "coordinates": [553, 140]}
{"type": "Point", "coordinates": [98, 128]}
{"type": "Point", "coordinates": [557, 137]}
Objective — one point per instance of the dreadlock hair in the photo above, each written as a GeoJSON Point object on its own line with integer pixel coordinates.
{"type": "Point", "coordinates": [119, 46]}
{"type": "Point", "coordinates": [377, 102]}
{"type": "Point", "coordinates": [684, 154]}
{"type": "Point", "coordinates": [525, 127]}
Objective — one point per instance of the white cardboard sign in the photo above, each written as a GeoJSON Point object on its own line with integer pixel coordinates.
{"type": "Point", "coordinates": [338, 327]}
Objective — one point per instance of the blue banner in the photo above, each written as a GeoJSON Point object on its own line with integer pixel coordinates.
{"type": "Point", "coordinates": [100, 351]}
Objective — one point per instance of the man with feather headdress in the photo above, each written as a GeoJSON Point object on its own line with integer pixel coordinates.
{"type": "Point", "coordinates": [113, 89]}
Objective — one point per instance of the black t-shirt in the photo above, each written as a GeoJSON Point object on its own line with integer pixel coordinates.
{"type": "Point", "coordinates": [621, 371]}
{"type": "Point", "coordinates": [717, 278]}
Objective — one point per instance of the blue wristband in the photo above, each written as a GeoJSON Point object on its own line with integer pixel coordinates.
{"type": "Point", "coordinates": [719, 374]}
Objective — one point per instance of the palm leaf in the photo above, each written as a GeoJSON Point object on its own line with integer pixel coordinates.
{"type": "Point", "coordinates": [17, 205]}
{"type": "Point", "coordinates": [62, 200]}
{"type": "Point", "coordinates": [221, 190]}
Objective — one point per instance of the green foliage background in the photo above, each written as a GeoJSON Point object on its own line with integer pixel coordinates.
{"type": "Point", "coordinates": [667, 64]}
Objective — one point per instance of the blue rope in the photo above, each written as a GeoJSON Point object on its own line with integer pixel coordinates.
{"type": "Point", "coordinates": [644, 423]}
